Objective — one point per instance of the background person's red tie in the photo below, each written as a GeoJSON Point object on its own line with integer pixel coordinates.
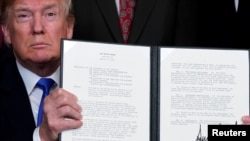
{"type": "Point", "coordinates": [126, 16]}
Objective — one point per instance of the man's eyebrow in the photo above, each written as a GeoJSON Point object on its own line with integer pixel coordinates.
{"type": "Point", "coordinates": [24, 8]}
{"type": "Point", "coordinates": [50, 6]}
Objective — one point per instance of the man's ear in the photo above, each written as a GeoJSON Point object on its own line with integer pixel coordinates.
{"type": "Point", "coordinates": [70, 26]}
{"type": "Point", "coordinates": [70, 30]}
{"type": "Point", "coordinates": [6, 33]}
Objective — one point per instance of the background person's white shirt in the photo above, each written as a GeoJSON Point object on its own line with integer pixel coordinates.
{"type": "Point", "coordinates": [236, 4]}
{"type": "Point", "coordinates": [117, 6]}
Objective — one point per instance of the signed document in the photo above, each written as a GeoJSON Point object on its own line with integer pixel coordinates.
{"type": "Point", "coordinates": [201, 87]}
{"type": "Point", "coordinates": [112, 83]}
{"type": "Point", "coordinates": [153, 93]}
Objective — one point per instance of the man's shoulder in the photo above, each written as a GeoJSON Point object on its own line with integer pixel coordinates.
{"type": "Point", "coordinates": [6, 56]}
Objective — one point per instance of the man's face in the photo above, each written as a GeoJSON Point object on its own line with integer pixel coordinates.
{"type": "Point", "coordinates": [34, 29]}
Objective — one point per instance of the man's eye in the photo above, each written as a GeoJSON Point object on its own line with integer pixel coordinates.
{"type": "Point", "coordinates": [23, 17]}
{"type": "Point", "coordinates": [51, 16]}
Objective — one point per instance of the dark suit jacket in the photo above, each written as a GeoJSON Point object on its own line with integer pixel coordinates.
{"type": "Point", "coordinates": [221, 26]}
{"type": "Point", "coordinates": [156, 22]}
{"type": "Point", "coordinates": [16, 118]}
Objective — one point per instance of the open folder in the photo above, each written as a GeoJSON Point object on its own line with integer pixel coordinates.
{"type": "Point", "coordinates": [153, 93]}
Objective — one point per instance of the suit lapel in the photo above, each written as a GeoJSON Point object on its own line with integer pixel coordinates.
{"type": "Point", "coordinates": [142, 12]}
{"type": "Point", "coordinates": [110, 15]}
{"type": "Point", "coordinates": [244, 7]}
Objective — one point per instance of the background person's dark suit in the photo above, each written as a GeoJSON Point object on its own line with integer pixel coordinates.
{"type": "Point", "coordinates": [13, 99]}
{"type": "Point", "coordinates": [156, 22]}
{"type": "Point", "coordinates": [221, 26]}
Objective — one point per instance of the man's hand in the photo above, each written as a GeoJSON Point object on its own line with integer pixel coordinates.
{"type": "Point", "coordinates": [246, 119]}
{"type": "Point", "coordinates": [61, 112]}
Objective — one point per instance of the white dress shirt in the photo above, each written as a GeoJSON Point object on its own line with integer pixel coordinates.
{"type": "Point", "coordinates": [35, 94]}
{"type": "Point", "coordinates": [236, 4]}
{"type": "Point", "coordinates": [117, 5]}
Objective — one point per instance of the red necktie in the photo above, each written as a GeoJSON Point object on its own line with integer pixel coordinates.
{"type": "Point", "coordinates": [126, 16]}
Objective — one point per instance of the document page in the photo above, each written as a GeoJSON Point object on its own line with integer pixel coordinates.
{"type": "Point", "coordinates": [201, 87]}
{"type": "Point", "coordinates": [112, 83]}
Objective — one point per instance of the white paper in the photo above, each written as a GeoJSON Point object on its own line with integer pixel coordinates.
{"type": "Point", "coordinates": [201, 87]}
{"type": "Point", "coordinates": [112, 83]}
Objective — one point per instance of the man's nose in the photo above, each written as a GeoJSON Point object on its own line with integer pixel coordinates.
{"type": "Point", "coordinates": [38, 25]}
